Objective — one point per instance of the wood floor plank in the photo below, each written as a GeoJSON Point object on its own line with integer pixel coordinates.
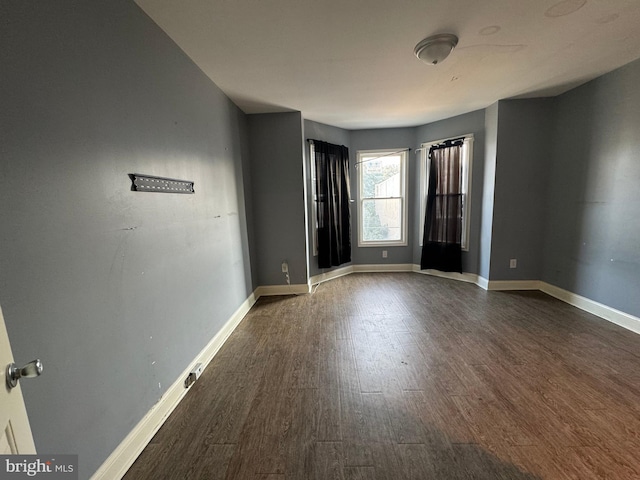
{"type": "Point", "coordinates": [470, 462]}
{"type": "Point", "coordinates": [616, 426]}
{"type": "Point", "coordinates": [493, 422]}
{"type": "Point", "coordinates": [378, 435]}
{"type": "Point", "coordinates": [549, 463]}
{"type": "Point", "coordinates": [415, 462]}
{"type": "Point", "coordinates": [360, 473]}
{"type": "Point", "coordinates": [347, 371]}
{"type": "Point", "coordinates": [439, 414]}
{"type": "Point", "coordinates": [329, 408]}
{"type": "Point", "coordinates": [608, 462]}
{"type": "Point", "coordinates": [326, 462]}
{"type": "Point", "coordinates": [565, 425]}
{"type": "Point", "coordinates": [275, 445]}
{"type": "Point", "coordinates": [357, 451]}
{"type": "Point", "coordinates": [304, 425]}
{"type": "Point", "coordinates": [228, 409]}
{"type": "Point", "coordinates": [398, 375]}
{"type": "Point", "coordinates": [217, 458]}
{"type": "Point", "coordinates": [247, 458]}
{"type": "Point", "coordinates": [405, 421]}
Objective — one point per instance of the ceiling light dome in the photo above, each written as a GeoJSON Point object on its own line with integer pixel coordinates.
{"type": "Point", "coordinates": [434, 49]}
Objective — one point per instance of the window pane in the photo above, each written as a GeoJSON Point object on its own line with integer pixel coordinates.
{"type": "Point", "coordinates": [381, 177]}
{"type": "Point", "coordinates": [382, 220]}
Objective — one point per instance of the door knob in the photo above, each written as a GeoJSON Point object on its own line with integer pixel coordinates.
{"type": "Point", "coordinates": [30, 370]}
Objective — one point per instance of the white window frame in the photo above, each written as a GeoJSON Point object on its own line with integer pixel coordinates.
{"type": "Point", "coordinates": [362, 157]}
{"type": "Point", "coordinates": [314, 201]}
{"type": "Point", "coordinates": [467, 167]}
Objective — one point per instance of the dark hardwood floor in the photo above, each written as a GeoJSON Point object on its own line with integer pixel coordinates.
{"type": "Point", "coordinates": [407, 376]}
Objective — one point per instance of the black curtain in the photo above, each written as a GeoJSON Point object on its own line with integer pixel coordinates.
{"type": "Point", "coordinates": [332, 204]}
{"type": "Point", "coordinates": [442, 241]}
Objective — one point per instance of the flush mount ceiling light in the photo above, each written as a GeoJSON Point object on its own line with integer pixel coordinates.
{"type": "Point", "coordinates": [434, 49]}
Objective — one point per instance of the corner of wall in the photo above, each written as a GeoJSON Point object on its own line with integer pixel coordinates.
{"type": "Point", "coordinates": [488, 189]}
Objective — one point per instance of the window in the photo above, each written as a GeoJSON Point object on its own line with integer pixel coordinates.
{"type": "Point", "coordinates": [314, 196]}
{"type": "Point", "coordinates": [382, 189]}
{"type": "Point", "coordinates": [465, 173]}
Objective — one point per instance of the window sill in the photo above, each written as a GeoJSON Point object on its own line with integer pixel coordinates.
{"type": "Point", "coordinates": [382, 244]}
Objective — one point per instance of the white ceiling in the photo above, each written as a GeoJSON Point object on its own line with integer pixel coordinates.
{"type": "Point", "coordinates": [350, 63]}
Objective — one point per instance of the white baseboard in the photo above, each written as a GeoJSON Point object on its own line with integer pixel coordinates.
{"type": "Point", "coordinates": [121, 459]}
{"type": "Point", "coordinates": [618, 317]}
{"type": "Point", "coordinates": [270, 290]}
{"type": "Point", "coordinates": [483, 283]}
{"type": "Point", "coordinates": [326, 276]}
{"type": "Point", "coordinates": [383, 267]}
{"type": "Point", "coordinates": [373, 268]}
{"type": "Point", "coordinates": [461, 277]}
{"type": "Point", "coordinates": [513, 285]}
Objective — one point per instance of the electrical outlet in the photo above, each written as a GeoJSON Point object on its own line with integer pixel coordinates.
{"type": "Point", "coordinates": [285, 267]}
{"type": "Point", "coordinates": [193, 375]}
{"type": "Point", "coordinates": [513, 263]}
{"type": "Point", "coordinates": [384, 254]}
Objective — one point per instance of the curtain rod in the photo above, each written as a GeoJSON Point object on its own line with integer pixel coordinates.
{"type": "Point", "coordinates": [311, 140]}
{"type": "Point", "coordinates": [442, 143]}
{"type": "Point", "coordinates": [449, 141]}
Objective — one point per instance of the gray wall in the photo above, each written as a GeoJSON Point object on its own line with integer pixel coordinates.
{"type": "Point", "coordinates": [593, 207]}
{"type": "Point", "coordinates": [382, 139]}
{"type": "Point", "coordinates": [116, 291]}
{"type": "Point", "coordinates": [472, 122]}
{"type": "Point", "coordinates": [521, 175]}
{"type": "Point", "coordinates": [278, 197]}
{"type": "Point", "coordinates": [337, 136]}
